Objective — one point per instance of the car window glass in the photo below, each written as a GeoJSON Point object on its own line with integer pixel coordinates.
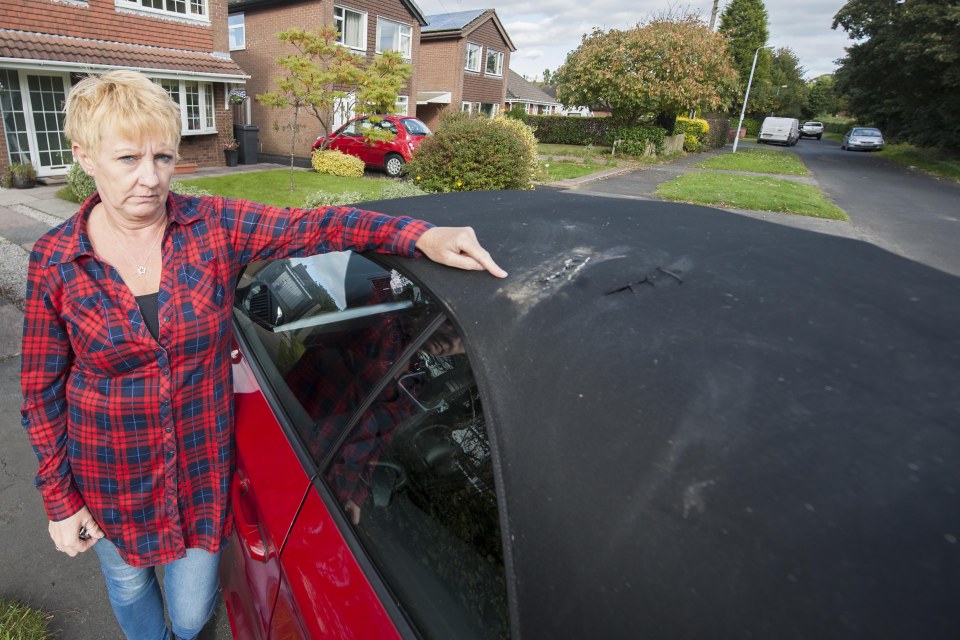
{"type": "Point", "coordinates": [325, 329]}
{"type": "Point", "coordinates": [415, 127]}
{"type": "Point", "coordinates": [415, 478]}
{"type": "Point", "coordinates": [386, 125]}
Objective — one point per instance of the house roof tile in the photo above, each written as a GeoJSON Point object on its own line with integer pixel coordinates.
{"type": "Point", "coordinates": [86, 54]}
{"type": "Point", "coordinates": [518, 89]}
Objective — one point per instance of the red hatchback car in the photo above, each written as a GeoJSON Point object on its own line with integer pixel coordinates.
{"type": "Point", "coordinates": [668, 422]}
{"type": "Point", "coordinates": [392, 155]}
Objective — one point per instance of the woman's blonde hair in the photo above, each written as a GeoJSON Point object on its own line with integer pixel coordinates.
{"type": "Point", "coordinates": [124, 102]}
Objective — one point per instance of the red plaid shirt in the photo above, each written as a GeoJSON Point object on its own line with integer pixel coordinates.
{"type": "Point", "coordinates": [141, 430]}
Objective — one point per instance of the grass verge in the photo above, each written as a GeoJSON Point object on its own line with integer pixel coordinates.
{"type": "Point", "coordinates": [938, 162]}
{"type": "Point", "coordinates": [20, 622]}
{"type": "Point", "coordinates": [758, 161]}
{"type": "Point", "coordinates": [757, 193]}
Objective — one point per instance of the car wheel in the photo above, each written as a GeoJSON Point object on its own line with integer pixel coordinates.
{"type": "Point", "coordinates": [393, 165]}
{"type": "Point", "coordinates": [820, 136]}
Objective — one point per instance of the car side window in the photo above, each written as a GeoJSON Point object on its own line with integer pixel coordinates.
{"type": "Point", "coordinates": [386, 125]}
{"type": "Point", "coordinates": [415, 479]}
{"type": "Point", "coordinates": [325, 329]}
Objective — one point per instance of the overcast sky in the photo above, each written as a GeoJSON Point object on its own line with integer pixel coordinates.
{"type": "Point", "coordinates": [544, 32]}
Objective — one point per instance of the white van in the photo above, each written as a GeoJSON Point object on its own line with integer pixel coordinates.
{"type": "Point", "coordinates": [780, 130]}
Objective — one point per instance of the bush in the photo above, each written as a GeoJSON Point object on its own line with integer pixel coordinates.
{"type": "Point", "coordinates": [718, 134]}
{"type": "Point", "coordinates": [530, 150]}
{"type": "Point", "coordinates": [400, 189]}
{"type": "Point", "coordinates": [752, 125]}
{"type": "Point", "coordinates": [325, 199]}
{"type": "Point", "coordinates": [571, 130]}
{"type": "Point", "coordinates": [638, 141]}
{"type": "Point", "coordinates": [337, 163]}
{"type": "Point", "coordinates": [81, 185]}
{"type": "Point", "coordinates": [517, 112]}
{"type": "Point", "coordinates": [472, 153]}
{"type": "Point", "coordinates": [188, 189]}
{"type": "Point", "coordinates": [694, 132]}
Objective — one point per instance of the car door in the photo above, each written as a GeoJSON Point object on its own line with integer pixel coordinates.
{"type": "Point", "coordinates": [368, 382]}
{"type": "Point", "coordinates": [349, 139]}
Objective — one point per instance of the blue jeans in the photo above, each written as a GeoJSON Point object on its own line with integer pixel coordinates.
{"type": "Point", "coordinates": [190, 584]}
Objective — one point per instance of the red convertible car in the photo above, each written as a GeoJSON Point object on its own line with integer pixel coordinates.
{"type": "Point", "coordinates": [668, 422]}
{"type": "Point", "coordinates": [391, 155]}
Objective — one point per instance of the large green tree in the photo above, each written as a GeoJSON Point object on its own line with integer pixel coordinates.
{"type": "Point", "coordinates": [744, 22]}
{"type": "Point", "coordinates": [902, 73]}
{"type": "Point", "coordinates": [663, 68]}
{"type": "Point", "coordinates": [822, 99]}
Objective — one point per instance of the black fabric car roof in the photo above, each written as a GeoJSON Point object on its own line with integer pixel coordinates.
{"type": "Point", "coordinates": [711, 426]}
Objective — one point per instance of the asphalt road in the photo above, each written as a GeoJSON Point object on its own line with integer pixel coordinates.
{"type": "Point", "coordinates": [903, 210]}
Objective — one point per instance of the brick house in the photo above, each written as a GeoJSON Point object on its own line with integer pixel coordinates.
{"type": "Point", "coordinates": [46, 46]}
{"type": "Point", "coordinates": [465, 57]}
{"type": "Point", "coordinates": [367, 27]}
{"type": "Point", "coordinates": [534, 100]}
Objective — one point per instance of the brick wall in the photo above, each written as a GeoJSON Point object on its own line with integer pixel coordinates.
{"type": "Point", "coordinates": [262, 49]}
{"type": "Point", "coordinates": [101, 20]}
{"type": "Point", "coordinates": [480, 87]}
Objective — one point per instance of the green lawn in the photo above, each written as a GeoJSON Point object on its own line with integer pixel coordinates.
{"type": "Point", "coordinates": [758, 161]}
{"type": "Point", "coordinates": [564, 169]}
{"type": "Point", "coordinates": [757, 193]}
{"type": "Point", "coordinates": [273, 187]}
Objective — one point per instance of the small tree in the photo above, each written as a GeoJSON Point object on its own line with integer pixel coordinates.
{"type": "Point", "coordinates": [661, 68]}
{"type": "Point", "coordinates": [323, 74]}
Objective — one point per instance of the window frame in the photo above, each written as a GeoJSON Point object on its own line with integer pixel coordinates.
{"type": "Point", "coordinates": [241, 28]}
{"type": "Point", "coordinates": [498, 72]}
{"type": "Point", "coordinates": [405, 100]}
{"type": "Point", "coordinates": [205, 103]}
{"type": "Point", "coordinates": [408, 53]}
{"type": "Point", "coordinates": [466, 62]}
{"type": "Point", "coordinates": [139, 7]}
{"type": "Point", "coordinates": [362, 46]}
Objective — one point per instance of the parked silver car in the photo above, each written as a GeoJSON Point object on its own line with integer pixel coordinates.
{"type": "Point", "coordinates": [811, 129]}
{"type": "Point", "coordinates": [866, 138]}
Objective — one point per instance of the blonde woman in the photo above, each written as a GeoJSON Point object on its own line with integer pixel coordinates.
{"type": "Point", "coordinates": [127, 332]}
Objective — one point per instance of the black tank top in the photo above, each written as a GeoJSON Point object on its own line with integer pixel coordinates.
{"type": "Point", "coordinates": [150, 310]}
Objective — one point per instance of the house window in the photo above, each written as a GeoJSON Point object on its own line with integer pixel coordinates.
{"type": "Point", "coordinates": [14, 117]}
{"type": "Point", "coordinates": [494, 63]}
{"type": "Point", "coordinates": [182, 8]}
{"type": "Point", "coordinates": [236, 31]}
{"type": "Point", "coordinates": [352, 26]}
{"type": "Point", "coordinates": [465, 107]}
{"type": "Point", "coordinates": [393, 36]}
{"type": "Point", "coordinates": [402, 105]}
{"type": "Point", "coordinates": [343, 110]}
{"type": "Point", "coordinates": [473, 57]}
{"type": "Point", "coordinates": [196, 104]}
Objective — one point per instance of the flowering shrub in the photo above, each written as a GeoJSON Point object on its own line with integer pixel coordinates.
{"type": "Point", "coordinates": [336, 163]}
{"type": "Point", "coordinates": [694, 132]}
{"type": "Point", "coordinates": [473, 153]}
{"type": "Point", "coordinates": [230, 144]}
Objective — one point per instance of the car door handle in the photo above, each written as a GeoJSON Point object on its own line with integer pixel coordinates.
{"type": "Point", "coordinates": [246, 518]}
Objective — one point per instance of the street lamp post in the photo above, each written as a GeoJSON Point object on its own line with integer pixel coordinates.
{"type": "Point", "coordinates": [743, 111]}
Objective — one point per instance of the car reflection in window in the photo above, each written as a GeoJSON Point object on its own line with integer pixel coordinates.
{"type": "Point", "coordinates": [424, 501]}
{"type": "Point", "coordinates": [379, 389]}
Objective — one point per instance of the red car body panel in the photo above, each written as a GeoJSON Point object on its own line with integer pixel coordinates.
{"type": "Point", "coordinates": [374, 154]}
{"type": "Point", "coordinates": [274, 568]}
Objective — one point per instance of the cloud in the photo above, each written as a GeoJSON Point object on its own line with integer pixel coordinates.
{"type": "Point", "coordinates": [544, 37]}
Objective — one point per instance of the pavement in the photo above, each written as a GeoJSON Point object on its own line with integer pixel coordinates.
{"type": "Point", "coordinates": [71, 589]}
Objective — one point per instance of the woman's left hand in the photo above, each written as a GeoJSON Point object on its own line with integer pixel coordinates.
{"type": "Point", "coordinates": [458, 247]}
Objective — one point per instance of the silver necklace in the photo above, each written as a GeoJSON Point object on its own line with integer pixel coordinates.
{"type": "Point", "coordinates": [141, 266]}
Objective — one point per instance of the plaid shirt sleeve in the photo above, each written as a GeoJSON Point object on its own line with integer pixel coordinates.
{"type": "Point", "coordinates": [260, 232]}
{"type": "Point", "coordinates": [46, 361]}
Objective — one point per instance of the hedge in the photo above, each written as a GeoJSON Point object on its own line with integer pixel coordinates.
{"type": "Point", "coordinates": [571, 129]}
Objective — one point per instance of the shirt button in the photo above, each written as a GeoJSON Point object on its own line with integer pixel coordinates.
{"type": "Point", "coordinates": [166, 318]}
{"type": "Point", "coordinates": [165, 372]}
{"type": "Point", "coordinates": [169, 429]}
